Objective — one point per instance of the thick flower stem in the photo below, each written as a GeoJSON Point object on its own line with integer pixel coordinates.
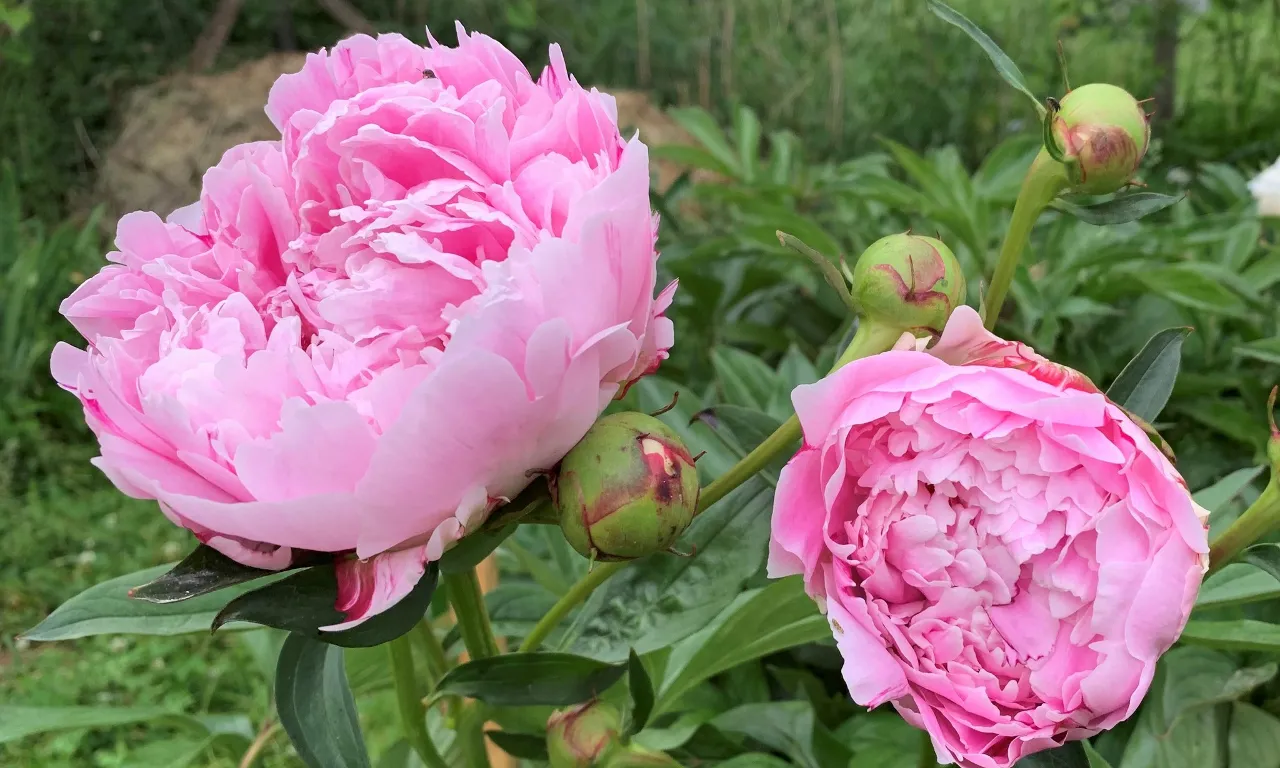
{"type": "Point", "coordinates": [473, 617]}
{"type": "Point", "coordinates": [579, 592]}
{"type": "Point", "coordinates": [1044, 180]}
{"type": "Point", "coordinates": [409, 698]}
{"type": "Point", "coordinates": [433, 649]}
{"type": "Point", "coordinates": [1258, 520]}
{"type": "Point", "coordinates": [870, 339]}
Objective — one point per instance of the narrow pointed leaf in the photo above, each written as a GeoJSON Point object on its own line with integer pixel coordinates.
{"type": "Point", "coordinates": [1004, 65]}
{"type": "Point", "coordinates": [1120, 209]}
{"type": "Point", "coordinates": [1049, 140]}
{"type": "Point", "coordinates": [827, 267]}
{"type": "Point", "coordinates": [641, 695]}
{"type": "Point", "coordinates": [1233, 635]}
{"type": "Point", "coordinates": [1144, 386]}
{"type": "Point", "coordinates": [531, 679]}
{"type": "Point", "coordinates": [1264, 556]}
{"type": "Point", "coordinates": [17, 722]}
{"type": "Point", "coordinates": [203, 571]}
{"type": "Point", "coordinates": [107, 609]}
{"type": "Point", "coordinates": [1077, 754]}
{"type": "Point", "coordinates": [316, 707]}
{"type": "Point", "coordinates": [306, 601]}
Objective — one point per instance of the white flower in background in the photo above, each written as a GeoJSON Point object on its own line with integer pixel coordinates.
{"type": "Point", "coordinates": [1266, 190]}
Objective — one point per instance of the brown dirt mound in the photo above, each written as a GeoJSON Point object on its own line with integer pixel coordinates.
{"type": "Point", "coordinates": [175, 129]}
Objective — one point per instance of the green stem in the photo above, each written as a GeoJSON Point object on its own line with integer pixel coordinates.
{"type": "Point", "coordinates": [473, 616]}
{"type": "Point", "coordinates": [870, 339]}
{"type": "Point", "coordinates": [1258, 520]}
{"type": "Point", "coordinates": [409, 698]}
{"type": "Point", "coordinates": [1045, 179]}
{"type": "Point", "coordinates": [433, 649]}
{"type": "Point", "coordinates": [579, 592]}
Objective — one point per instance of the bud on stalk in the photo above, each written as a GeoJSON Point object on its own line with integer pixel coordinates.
{"type": "Point", "coordinates": [908, 283]}
{"type": "Point", "coordinates": [628, 489]}
{"type": "Point", "coordinates": [1103, 134]}
{"type": "Point", "coordinates": [578, 737]}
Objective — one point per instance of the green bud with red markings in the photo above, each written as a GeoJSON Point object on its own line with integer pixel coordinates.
{"type": "Point", "coordinates": [580, 736]}
{"type": "Point", "coordinates": [908, 282]}
{"type": "Point", "coordinates": [628, 489]}
{"type": "Point", "coordinates": [1102, 133]}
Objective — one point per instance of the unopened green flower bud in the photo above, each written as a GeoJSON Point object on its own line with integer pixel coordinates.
{"type": "Point", "coordinates": [628, 489]}
{"type": "Point", "coordinates": [909, 282]}
{"type": "Point", "coordinates": [578, 737]}
{"type": "Point", "coordinates": [1103, 134]}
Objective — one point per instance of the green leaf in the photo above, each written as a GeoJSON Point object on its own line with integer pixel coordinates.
{"type": "Point", "coordinates": [305, 602]}
{"type": "Point", "coordinates": [1254, 737]}
{"type": "Point", "coordinates": [1122, 208]}
{"type": "Point", "coordinates": [754, 760]}
{"type": "Point", "coordinates": [204, 570]}
{"type": "Point", "coordinates": [1004, 65]}
{"type": "Point", "coordinates": [660, 600]}
{"type": "Point", "coordinates": [530, 679]}
{"type": "Point", "coordinates": [740, 429]}
{"type": "Point", "coordinates": [1144, 386]}
{"type": "Point", "coordinates": [744, 378]}
{"type": "Point", "coordinates": [788, 727]}
{"type": "Point", "coordinates": [1047, 137]}
{"type": "Point", "coordinates": [1266, 350]}
{"type": "Point", "coordinates": [1077, 754]}
{"type": "Point", "coordinates": [756, 624]}
{"type": "Point", "coordinates": [473, 548]}
{"type": "Point", "coordinates": [746, 128]}
{"type": "Point", "coordinates": [702, 126]}
{"type": "Point", "coordinates": [1237, 584]}
{"type": "Point", "coordinates": [691, 157]}
{"type": "Point", "coordinates": [1264, 556]}
{"type": "Point", "coordinates": [176, 752]}
{"type": "Point", "coordinates": [1227, 489]}
{"type": "Point", "coordinates": [641, 695]}
{"type": "Point", "coordinates": [830, 272]}
{"type": "Point", "coordinates": [1189, 286]}
{"type": "Point", "coordinates": [316, 707]}
{"type": "Point", "coordinates": [1095, 760]}
{"type": "Point", "coordinates": [107, 609]}
{"type": "Point", "coordinates": [1229, 417]}
{"type": "Point", "coordinates": [1182, 721]}
{"type": "Point", "coordinates": [794, 370]}
{"type": "Point", "coordinates": [1234, 635]}
{"type": "Point", "coordinates": [525, 746]}
{"type": "Point", "coordinates": [17, 722]}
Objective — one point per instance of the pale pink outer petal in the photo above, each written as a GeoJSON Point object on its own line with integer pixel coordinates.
{"type": "Point", "coordinates": [369, 587]}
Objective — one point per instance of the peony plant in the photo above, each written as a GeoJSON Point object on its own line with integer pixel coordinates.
{"type": "Point", "coordinates": [378, 346]}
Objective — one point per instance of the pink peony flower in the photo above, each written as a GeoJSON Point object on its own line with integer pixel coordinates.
{"type": "Point", "coordinates": [365, 335]}
{"type": "Point", "coordinates": [1001, 552]}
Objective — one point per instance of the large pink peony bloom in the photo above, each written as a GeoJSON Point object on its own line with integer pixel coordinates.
{"type": "Point", "coordinates": [1000, 550]}
{"type": "Point", "coordinates": [366, 334]}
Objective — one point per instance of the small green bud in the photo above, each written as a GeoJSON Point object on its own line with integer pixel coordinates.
{"type": "Point", "coordinates": [579, 736]}
{"type": "Point", "coordinates": [910, 282]}
{"type": "Point", "coordinates": [1103, 134]}
{"type": "Point", "coordinates": [628, 489]}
